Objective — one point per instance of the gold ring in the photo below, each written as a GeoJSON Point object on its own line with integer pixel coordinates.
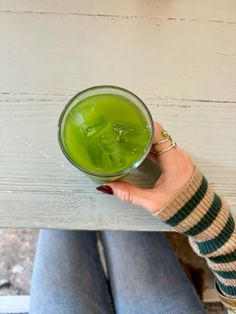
{"type": "Point", "coordinates": [173, 145]}
{"type": "Point", "coordinates": [163, 141]}
{"type": "Point", "coordinates": [168, 138]}
{"type": "Point", "coordinates": [164, 133]}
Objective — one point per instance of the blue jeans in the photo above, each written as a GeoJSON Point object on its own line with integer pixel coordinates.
{"type": "Point", "coordinates": [145, 277]}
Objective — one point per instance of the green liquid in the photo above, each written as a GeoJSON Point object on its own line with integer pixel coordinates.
{"type": "Point", "coordinates": [105, 134]}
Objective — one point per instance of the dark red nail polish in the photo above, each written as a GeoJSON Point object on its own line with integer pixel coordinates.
{"type": "Point", "coordinates": [105, 189]}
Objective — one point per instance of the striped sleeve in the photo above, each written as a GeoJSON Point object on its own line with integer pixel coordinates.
{"type": "Point", "coordinates": [198, 212]}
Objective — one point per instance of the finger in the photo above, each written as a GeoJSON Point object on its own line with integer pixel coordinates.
{"type": "Point", "coordinates": [146, 198]}
{"type": "Point", "coordinates": [167, 158]}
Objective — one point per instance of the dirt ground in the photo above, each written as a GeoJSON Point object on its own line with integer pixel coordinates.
{"type": "Point", "coordinates": [17, 248]}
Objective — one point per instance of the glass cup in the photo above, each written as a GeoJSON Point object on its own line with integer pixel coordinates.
{"type": "Point", "coordinates": [106, 132]}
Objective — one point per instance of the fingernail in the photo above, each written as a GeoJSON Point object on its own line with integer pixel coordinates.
{"type": "Point", "coordinates": [105, 189]}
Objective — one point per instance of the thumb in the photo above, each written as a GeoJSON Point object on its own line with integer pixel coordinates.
{"type": "Point", "coordinates": [129, 193]}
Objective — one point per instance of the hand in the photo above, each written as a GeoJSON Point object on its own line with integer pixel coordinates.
{"type": "Point", "coordinates": [176, 170]}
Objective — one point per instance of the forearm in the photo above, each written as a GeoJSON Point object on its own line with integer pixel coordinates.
{"type": "Point", "coordinates": [202, 215]}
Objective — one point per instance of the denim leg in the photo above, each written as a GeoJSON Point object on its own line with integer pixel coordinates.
{"type": "Point", "coordinates": [68, 277]}
{"type": "Point", "coordinates": [146, 276]}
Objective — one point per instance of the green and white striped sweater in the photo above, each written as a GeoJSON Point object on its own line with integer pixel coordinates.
{"type": "Point", "coordinates": [201, 214]}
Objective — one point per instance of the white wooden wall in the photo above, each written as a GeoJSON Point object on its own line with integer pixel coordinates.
{"type": "Point", "coordinates": [179, 56]}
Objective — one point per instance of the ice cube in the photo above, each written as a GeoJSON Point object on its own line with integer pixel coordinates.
{"type": "Point", "coordinates": [104, 154]}
{"type": "Point", "coordinates": [129, 137]}
{"type": "Point", "coordinates": [88, 119]}
{"type": "Point", "coordinates": [98, 157]}
{"type": "Point", "coordinates": [110, 146]}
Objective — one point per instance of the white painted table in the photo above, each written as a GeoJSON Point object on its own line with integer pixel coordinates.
{"type": "Point", "coordinates": [179, 56]}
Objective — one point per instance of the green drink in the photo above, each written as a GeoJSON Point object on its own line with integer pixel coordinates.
{"type": "Point", "coordinates": [105, 131]}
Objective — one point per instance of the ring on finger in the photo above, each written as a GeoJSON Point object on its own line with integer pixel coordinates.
{"type": "Point", "coordinates": [167, 136]}
{"type": "Point", "coordinates": [159, 152]}
{"type": "Point", "coordinates": [164, 133]}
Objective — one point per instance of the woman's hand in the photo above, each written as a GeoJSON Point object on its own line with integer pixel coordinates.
{"type": "Point", "coordinates": [176, 170]}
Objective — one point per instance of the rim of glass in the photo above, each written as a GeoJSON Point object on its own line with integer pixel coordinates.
{"type": "Point", "coordinates": [100, 174]}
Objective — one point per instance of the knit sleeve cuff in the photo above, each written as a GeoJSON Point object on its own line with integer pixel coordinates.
{"type": "Point", "coordinates": [229, 302]}
{"type": "Point", "coordinates": [198, 211]}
